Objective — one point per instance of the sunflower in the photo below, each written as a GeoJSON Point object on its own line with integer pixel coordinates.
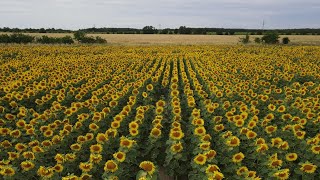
{"type": "Point", "coordinates": [200, 131]}
{"type": "Point", "coordinates": [200, 159]}
{"type": "Point", "coordinates": [13, 155]}
{"type": "Point", "coordinates": [48, 133]}
{"type": "Point", "coordinates": [270, 129]}
{"type": "Point", "coordinates": [4, 131]}
{"type": "Point", "coordinates": [284, 145]}
{"type": "Point", "coordinates": [29, 155]}
{"type": "Point", "coordinates": [21, 123]}
{"type": "Point", "coordinates": [6, 144]}
{"type": "Point", "coordinates": [212, 168]}
{"type": "Point", "coordinates": [85, 176]}
{"type": "Point", "coordinates": [206, 138]}
{"type": "Point", "coordinates": [75, 147]}
{"type": "Point", "coordinates": [282, 174]}
{"type": "Point", "coordinates": [308, 167]}
{"type": "Point", "coordinates": [58, 168]}
{"type": "Point", "coordinates": [291, 156]}
{"type": "Point", "coordinates": [149, 87]}
{"type": "Point", "coordinates": [27, 165]}
{"type": "Point", "coordinates": [125, 142]}
{"type": "Point", "coordinates": [205, 146]}
{"type": "Point", "coordinates": [219, 127]}
{"type": "Point", "coordinates": [216, 176]}
{"type": "Point", "coordinates": [176, 135]}
{"type": "Point", "coordinates": [133, 125]}
{"type": "Point", "coordinates": [7, 171]}
{"type": "Point", "coordinates": [160, 103]}
{"type": "Point", "coordinates": [315, 149]}
{"type": "Point", "coordinates": [252, 124]}
{"type": "Point", "coordinates": [134, 132]}
{"type": "Point", "coordinates": [93, 127]}
{"type": "Point", "coordinates": [110, 166]}
{"type": "Point", "coordinates": [276, 141]}
{"type": "Point", "coordinates": [119, 156]}
{"type": "Point", "coordinates": [155, 133]}
{"type": "Point", "coordinates": [59, 158]}
{"type": "Point", "coordinates": [159, 110]}
{"type": "Point", "coordinates": [300, 134]}
{"type": "Point", "coordinates": [20, 147]}
{"type": "Point", "coordinates": [15, 133]}
{"type": "Point", "coordinates": [112, 132]}
{"type": "Point", "coordinates": [281, 109]}
{"type": "Point", "coordinates": [148, 166]}
{"type": "Point", "coordinates": [276, 163]}
{"type": "Point", "coordinates": [70, 157]}
{"type": "Point", "coordinates": [242, 170]}
{"type": "Point", "coordinates": [45, 172]}
{"type": "Point", "coordinates": [81, 139]}
{"type": "Point", "coordinates": [233, 141]}
{"type": "Point", "coordinates": [176, 148]}
{"type": "Point", "coordinates": [85, 166]}
{"type": "Point", "coordinates": [101, 138]}
{"type": "Point", "coordinates": [96, 148]}
{"type": "Point", "coordinates": [95, 158]}
{"type": "Point", "coordinates": [272, 107]}
{"type": "Point", "coordinates": [251, 134]}
{"type": "Point", "coordinates": [262, 147]}
{"type": "Point", "coordinates": [236, 158]}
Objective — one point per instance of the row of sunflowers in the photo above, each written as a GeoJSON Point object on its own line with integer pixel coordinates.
{"type": "Point", "coordinates": [130, 112]}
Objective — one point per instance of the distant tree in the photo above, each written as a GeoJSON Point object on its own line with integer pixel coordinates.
{"type": "Point", "coordinates": [165, 31]}
{"type": "Point", "coordinates": [271, 37]}
{"type": "Point", "coordinates": [83, 38]}
{"type": "Point", "coordinates": [42, 30]}
{"type": "Point", "coordinates": [5, 38]}
{"type": "Point", "coordinates": [219, 32]}
{"type": "Point", "coordinates": [245, 40]}
{"type": "Point", "coordinates": [285, 40]}
{"type": "Point", "coordinates": [184, 30]}
{"type": "Point", "coordinates": [100, 40]}
{"type": "Point", "coordinates": [257, 40]}
{"type": "Point", "coordinates": [79, 35]}
{"type": "Point", "coordinates": [21, 38]}
{"type": "Point", "coordinates": [149, 30]}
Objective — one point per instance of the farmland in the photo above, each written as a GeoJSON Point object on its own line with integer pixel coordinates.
{"type": "Point", "coordinates": [129, 112]}
{"type": "Point", "coordinates": [172, 39]}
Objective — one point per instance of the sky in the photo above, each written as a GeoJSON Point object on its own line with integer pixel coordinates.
{"type": "Point", "coordinates": [78, 14]}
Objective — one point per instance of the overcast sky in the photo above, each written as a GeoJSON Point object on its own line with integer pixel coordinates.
{"type": "Point", "coordinates": [75, 14]}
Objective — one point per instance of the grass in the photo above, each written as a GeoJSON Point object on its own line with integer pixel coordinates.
{"type": "Point", "coordinates": [149, 39]}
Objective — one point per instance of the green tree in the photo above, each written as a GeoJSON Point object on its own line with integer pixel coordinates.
{"type": "Point", "coordinates": [257, 40]}
{"type": "Point", "coordinates": [149, 30]}
{"type": "Point", "coordinates": [285, 40]}
{"type": "Point", "coordinates": [79, 35]}
{"type": "Point", "coordinates": [245, 40]}
{"type": "Point", "coordinates": [271, 37]}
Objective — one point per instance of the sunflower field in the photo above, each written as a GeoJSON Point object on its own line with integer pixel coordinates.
{"type": "Point", "coordinates": [135, 112]}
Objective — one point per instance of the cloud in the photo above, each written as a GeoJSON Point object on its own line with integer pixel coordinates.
{"type": "Point", "coordinates": [74, 14]}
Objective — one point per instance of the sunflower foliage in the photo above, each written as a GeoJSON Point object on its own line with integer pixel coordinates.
{"type": "Point", "coordinates": [132, 112]}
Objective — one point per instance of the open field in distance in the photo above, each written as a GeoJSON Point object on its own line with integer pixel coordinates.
{"type": "Point", "coordinates": [149, 39]}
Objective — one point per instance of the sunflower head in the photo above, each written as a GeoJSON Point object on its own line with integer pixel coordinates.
{"type": "Point", "coordinates": [119, 156]}
{"type": "Point", "coordinates": [236, 158]}
{"type": "Point", "coordinates": [148, 166]}
{"type": "Point", "coordinates": [308, 167]}
{"type": "Point", "coordinates": [200, 159]}
{"type": "Point", "coordinates": [110, 166]}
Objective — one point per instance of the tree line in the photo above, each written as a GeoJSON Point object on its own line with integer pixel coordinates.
{"type": "Point", "coordinates": [78, 36]}
{"type": "Point", "coordinates": [180, 30]}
